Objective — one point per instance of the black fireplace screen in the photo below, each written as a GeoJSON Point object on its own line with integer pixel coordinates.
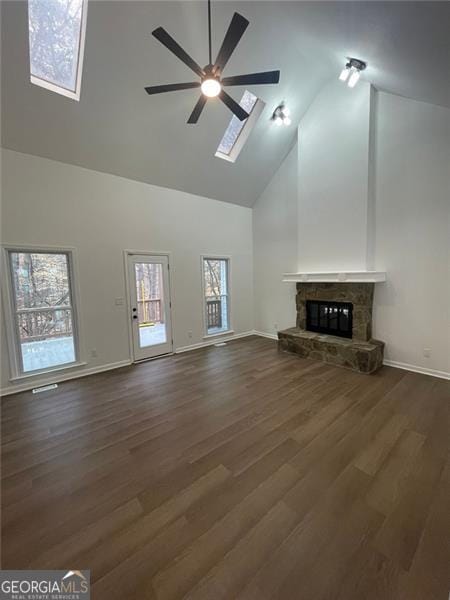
{"type": "Point", "coordinates": [334, 318]}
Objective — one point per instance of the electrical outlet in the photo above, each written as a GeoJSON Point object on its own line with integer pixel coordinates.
{"type": "Point", "coordinates": [189, 333]}
{"type": "Point", "coordinates": [93, 353]}
{"type": "Point", "coordinates": [427, 352]}
{"type": "Point", "coordinates": [275, 326]}
{"type": "Point", "coordinates": [119, 301]}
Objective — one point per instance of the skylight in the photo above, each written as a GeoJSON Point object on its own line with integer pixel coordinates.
{"type": "Point", "coordinates": [56, 36]}
{"type": "Point", "coordinates": [238, 131]}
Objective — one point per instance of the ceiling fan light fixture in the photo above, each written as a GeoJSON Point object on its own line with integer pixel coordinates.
{"type": "Point", "coordinates": [211, 87]}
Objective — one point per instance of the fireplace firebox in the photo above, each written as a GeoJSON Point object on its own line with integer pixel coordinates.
{"type": "Point", "coordinates": [333, 318]}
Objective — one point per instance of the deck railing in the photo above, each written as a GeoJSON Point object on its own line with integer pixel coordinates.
{"type": "Point", "coordinates": [213, 313]}
{"type": "Point", "coordinates": [37, 325]}
{"type": "Point", "coordinates": [149, 311]}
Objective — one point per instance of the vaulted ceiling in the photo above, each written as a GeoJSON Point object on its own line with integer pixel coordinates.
{"type": "Point", "coordinates": [117, 128]}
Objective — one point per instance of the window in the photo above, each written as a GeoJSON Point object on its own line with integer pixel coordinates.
{"type": "Point", "coordinates": [56, 38]}
{"type": "Point", "coordinates": [216, 295]}
{"type": "Point", "coordinates": [42, 304]}
{"type": "Point", "coordinates": [238, 131]}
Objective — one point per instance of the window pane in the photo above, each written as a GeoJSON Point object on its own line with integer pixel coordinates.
{"type": "Point", "coordinates": [40, 280]}
{"type": "Point", "coordinates": [150, 300]}
{"type": "Point", "coordinates": [235, 126]}
{"type": "Point", "coordinates": [215, 272]}
{"type": "Point", "coordinates": [46, 339]}
{"type": "Point", "coordinates": [42, 302]}
{"type": "Point", "coordinates": [54, 34]}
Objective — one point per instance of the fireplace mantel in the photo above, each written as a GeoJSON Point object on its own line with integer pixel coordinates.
{"type": "Point", "coordinates": [336, 277]}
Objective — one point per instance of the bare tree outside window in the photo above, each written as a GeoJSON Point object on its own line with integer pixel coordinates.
{"type": "Point", "coordinates": [213, 280]}
{"type": "Point", "coordinates": [235, 126]}
{"type": "Point", "coordinates": [43, 309]}
{"type": "Point", "coordinates": [149, 292]}
{"type": "Point", "coordinates": [54, 37]}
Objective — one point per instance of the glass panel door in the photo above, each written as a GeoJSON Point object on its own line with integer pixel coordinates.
{"type": "Point", "coordinates": [150, 301]}
{"type": "Point", "coordinates": [150, 305]}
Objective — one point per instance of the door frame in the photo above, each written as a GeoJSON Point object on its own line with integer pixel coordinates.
{"type": "Point", "coordinates": [126, 254]}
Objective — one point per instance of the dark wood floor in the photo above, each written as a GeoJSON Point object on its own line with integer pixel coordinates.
{"type": "Point", "coordinates": [233, 472]}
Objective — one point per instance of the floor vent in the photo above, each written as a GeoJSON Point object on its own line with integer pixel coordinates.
{"type": "Point", "coordinates": [45, 388]}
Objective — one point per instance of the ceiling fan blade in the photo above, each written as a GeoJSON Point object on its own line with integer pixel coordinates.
{"type": "Point", "coordinates": [240, 113]}
{"type": "Point", "coordinates": [235, 31]}
{"type": "Point", "coordinates": [197, 110]}
{"type": "Point", "coordinates": [253, 78]}
{"type": "Point", "coordinates": [171, 87]}
{"type": "Point", "coordinates": [167, 40]}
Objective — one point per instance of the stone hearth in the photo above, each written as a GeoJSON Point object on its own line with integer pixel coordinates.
{"type": "Point", "coordinates": [361, 353]}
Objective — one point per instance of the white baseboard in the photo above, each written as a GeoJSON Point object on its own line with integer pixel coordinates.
{"type": "Point", "coordinates": [59, 377]}
{"type": "Point", "coordinates": [415, 369]}
{"type": "Point", "coordinates": [270, 336]}
{"type": "Point", "coordinates": [219, 339]}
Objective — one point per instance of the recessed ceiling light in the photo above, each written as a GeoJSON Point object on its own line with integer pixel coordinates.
{"type": "Point", "coordinates": [352, 71]}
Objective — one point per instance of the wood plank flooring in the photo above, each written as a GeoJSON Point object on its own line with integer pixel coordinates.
{"type": "Point", "coordinates": [233, 472]}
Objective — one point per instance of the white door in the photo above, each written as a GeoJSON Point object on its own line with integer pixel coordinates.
{"type": "Point", "coordinates": [149, 292]}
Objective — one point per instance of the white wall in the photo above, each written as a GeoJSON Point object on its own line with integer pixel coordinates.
{"type": "Point", "coordinates": [373, 191]}
{"type": "Point", "coordinates": [275, 249]}
{"type": "Point", "coordinates": [412, 230]}
{"type": "Point", "coordinates": [333, 155]}
{"type": "Point", "coordinates": [54, 204]}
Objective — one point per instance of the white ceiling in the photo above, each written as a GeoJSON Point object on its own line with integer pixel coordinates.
{"type": "Point", "coordinates": [117, 128]}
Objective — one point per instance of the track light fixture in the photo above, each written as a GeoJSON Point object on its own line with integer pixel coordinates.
{"type": "Point", "coordinates": [352, 70]}
{"type": "Point", "coordinates": [280, 115]}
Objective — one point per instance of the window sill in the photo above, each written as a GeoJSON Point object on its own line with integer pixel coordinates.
{"type": "Point", "coordinates": [218, 334]}
{"type": "Point", "coordinates": [26, 376]}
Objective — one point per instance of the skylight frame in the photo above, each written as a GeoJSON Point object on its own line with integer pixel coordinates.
{"type": "Point", "coordinates": [244, 133]}
{"type": "Point", "coordinates": [59, 88]}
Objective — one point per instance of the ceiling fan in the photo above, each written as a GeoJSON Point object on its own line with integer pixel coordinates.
{"type": "Point", "coordinates": [211, 80]}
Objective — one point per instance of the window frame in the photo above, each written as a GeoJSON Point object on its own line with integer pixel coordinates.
{"type": "Point", "coordinates": [8, 297]}
{"type": "Point", "coordinates": [229, 329]}
{"type": "Point", "coordinates": [54, 87]}
{"type": "Point", "coordinates": [244, 134]}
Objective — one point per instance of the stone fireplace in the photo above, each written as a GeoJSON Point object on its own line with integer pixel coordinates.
{"type": "Point", "coordinates": [334, 324]}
